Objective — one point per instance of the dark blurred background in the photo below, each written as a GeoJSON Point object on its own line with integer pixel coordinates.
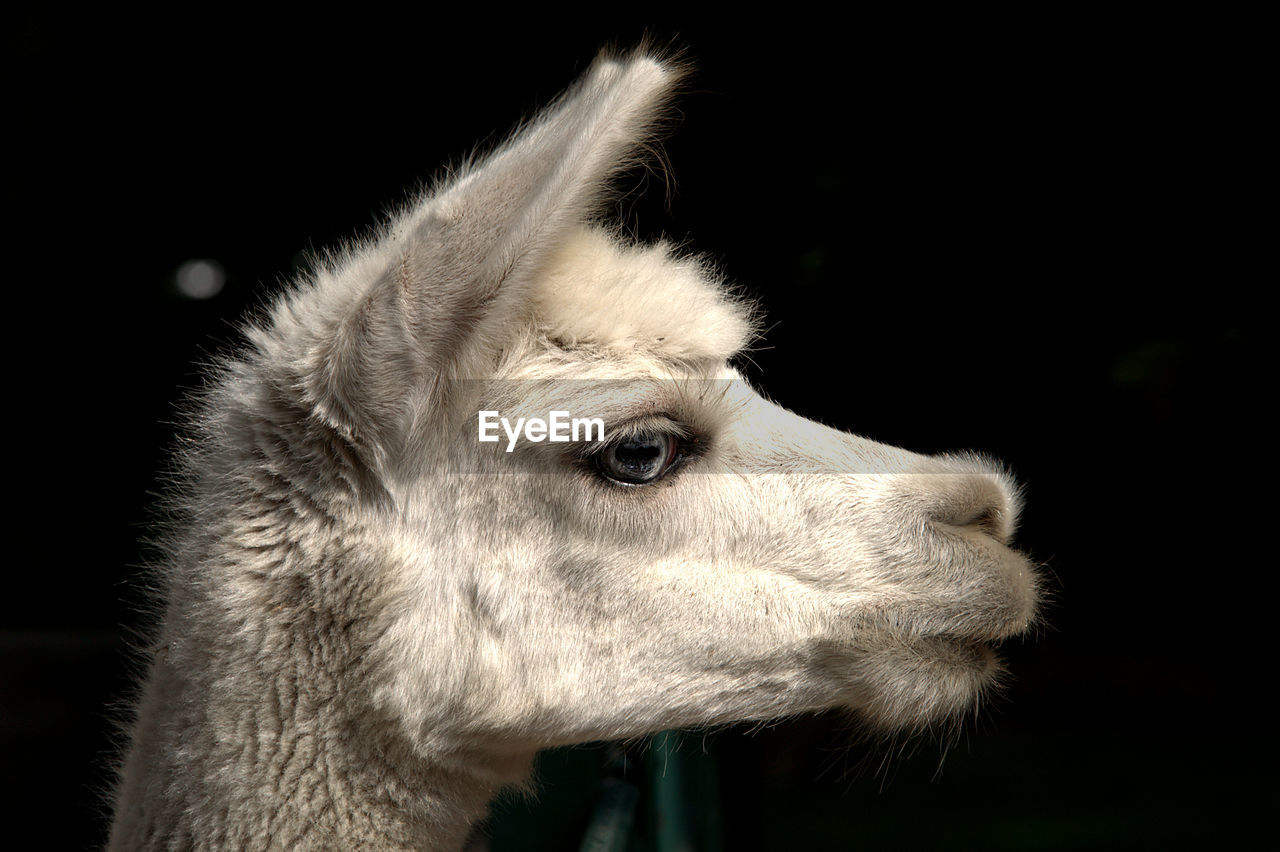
{"type": "Point", "coordinates": [1031, 236]}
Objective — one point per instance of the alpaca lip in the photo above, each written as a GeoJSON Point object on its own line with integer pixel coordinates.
{"type": "Point", "coordinates": [999, 631]}
{"type": "Point", "coordinates": [999, 628]}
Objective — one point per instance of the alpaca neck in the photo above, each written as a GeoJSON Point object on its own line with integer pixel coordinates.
{"type": "Point", "coordinates": [208, 771]}
{"type": "Point", "coordinates": [257, 726]}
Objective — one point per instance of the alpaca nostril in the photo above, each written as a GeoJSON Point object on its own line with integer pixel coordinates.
{"type": "Point", "coordinates": [989, 520]}
{"type": "Point", "coordinates": [979, 503]}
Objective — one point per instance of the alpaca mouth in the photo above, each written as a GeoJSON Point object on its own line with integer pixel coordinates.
{"type": "Point", "coordinates": [1004, 624]}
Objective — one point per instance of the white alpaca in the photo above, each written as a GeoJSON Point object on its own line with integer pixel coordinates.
{"type": "Point", "coordinates": [374, 619]}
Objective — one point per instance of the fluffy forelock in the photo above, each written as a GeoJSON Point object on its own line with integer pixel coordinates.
{"type": "Point", "coordinates": [602, 291]}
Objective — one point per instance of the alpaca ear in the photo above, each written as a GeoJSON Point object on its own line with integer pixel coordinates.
{"type": "Point", "coordinates": [441, 289]}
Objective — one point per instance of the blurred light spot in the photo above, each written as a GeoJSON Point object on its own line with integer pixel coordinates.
{"type": "Point", "coordinates": [200, 279]}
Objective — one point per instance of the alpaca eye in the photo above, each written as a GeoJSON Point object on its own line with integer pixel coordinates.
{"type": "Point", "coordinates": [640, 460]}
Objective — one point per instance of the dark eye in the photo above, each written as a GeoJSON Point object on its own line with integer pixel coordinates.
{"type": "Point", "coordinates": [639, 460]}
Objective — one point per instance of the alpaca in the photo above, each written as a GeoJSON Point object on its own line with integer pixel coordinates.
{"type": "Point", "coordinates": [375, 617]}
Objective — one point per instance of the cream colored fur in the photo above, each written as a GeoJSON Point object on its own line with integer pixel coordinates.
{"type": "Point", "coordinates": [374, 620]}
{"type": "Point", "coordinates": [601, 292]}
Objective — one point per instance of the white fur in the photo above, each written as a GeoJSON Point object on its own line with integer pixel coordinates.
{"type": "Point", "coordinates": [601, 292]}
{"type": "Point", "coordinates": [374, 620]}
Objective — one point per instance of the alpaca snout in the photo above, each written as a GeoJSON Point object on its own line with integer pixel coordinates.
{"type": "Point", "coordinates": [976, 586]}
{"type": "Point", "coordinates": [982, 506]}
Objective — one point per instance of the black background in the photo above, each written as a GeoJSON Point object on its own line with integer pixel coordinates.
{"type": "Point", "coordinates": [1031, 236]}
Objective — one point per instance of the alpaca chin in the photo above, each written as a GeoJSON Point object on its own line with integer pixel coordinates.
{"type": "Point", "coordinates": [919, 684]}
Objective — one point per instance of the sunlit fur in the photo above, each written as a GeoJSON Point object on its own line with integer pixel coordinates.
{"type": "Point", "coordinates": [373, 620]}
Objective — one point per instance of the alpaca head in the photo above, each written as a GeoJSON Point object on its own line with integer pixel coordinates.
{"type": "Point", "coordinates": [715, 558]}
